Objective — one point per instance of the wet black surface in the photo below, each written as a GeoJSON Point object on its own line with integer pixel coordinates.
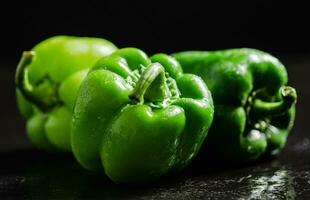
{"type": "Point", "coordinates": [26, 173]}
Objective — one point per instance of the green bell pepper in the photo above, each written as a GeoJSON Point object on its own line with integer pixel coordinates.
{"type": "Point", "coordinates": [137, 118]}
{"type": "Point", "coordinates": [47, 79]}
{"type": "Point", "coordinates": [254, 110]}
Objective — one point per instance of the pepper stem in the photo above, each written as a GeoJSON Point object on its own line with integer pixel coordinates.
{"type": "Point", "coordinates": [148, 77]}
{"type": "Point", "coordinates": [43, 95]}
{"type": "Point", "coordinates": [262, 109]}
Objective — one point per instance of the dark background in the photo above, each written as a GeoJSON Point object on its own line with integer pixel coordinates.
{"type": "Point", "coordinates": [157, 26]}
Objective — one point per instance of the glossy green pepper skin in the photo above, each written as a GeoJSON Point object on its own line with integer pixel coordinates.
{"type": "Point", "coordinates": [254, 110]}
{"type": "Point", "coordinates": [47, 79]}
{"type": "Point", "coordinates": [137, 118]}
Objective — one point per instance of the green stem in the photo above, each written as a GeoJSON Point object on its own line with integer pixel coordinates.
{"type": "Point", "coordinates": [21, 68]}
{"type": "Point", "coordinates": [145, 81]}
{"type": "Point", "coordinates": [261, 108]}
{"type": "Point", "coordinates": [44, 95]}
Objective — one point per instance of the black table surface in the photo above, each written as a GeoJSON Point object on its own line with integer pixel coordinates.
{"type": "Point", "coordinates": [26, 173]}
